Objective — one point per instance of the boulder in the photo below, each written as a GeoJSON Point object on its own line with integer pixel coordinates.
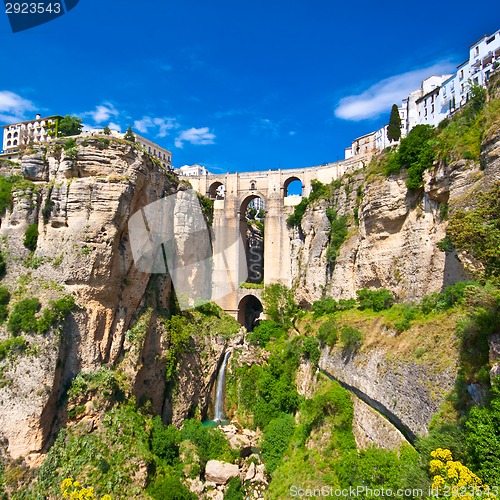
{"type": "Point", "coordinates": [220, 472]}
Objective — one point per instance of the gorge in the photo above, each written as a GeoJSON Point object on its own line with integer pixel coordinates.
{"type": "Point", "coordinates": [391, 291]}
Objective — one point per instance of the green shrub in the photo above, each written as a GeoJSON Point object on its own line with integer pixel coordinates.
{"type": "Point", "coordinates": [277, 436]}
{"type": "Point", "coordinates": [264, 332]}
{"type": "Point", "coordinates": [338, 234]}
{"type": "Point", "coordinates": [298, 212]}
{"type": "Point", "coordinates": [4, 295]}
{"type": "Point", "coordinates": [31, 237]}
{"type": "Point", "coordinates": [377, 300]}
{"type": "Point", "coordinates": [56, 311]}
{"type": "Point", "coordinates": [170, 488]}
{"type": "Point", "coordinates": [165, 440]}
{"type": "Point", "coordinates": [329, 305]}
{"type": "Point", "coordinates": [328, 333]}
{"type": "Point", "coordinates": [234, 490]}
{"type": "Point", "coordinates": [279, 304]}
{"type": "Point", "coordinates": [310, 349]}
{"type": "Point", "coordinates": [3, 266]}
{"type": "Point", "coordinates": [210, 443]}
{"type": "Point", "coordinates": [11, 345]}
{"type": "Point", "coordinates": [5, 195]}
{"type": "Point", "coordinates": [352, 339]}
{"type": "Point", "coordinates": [22, 317]}
{"type": "Point", "coordinates": [451, 295]}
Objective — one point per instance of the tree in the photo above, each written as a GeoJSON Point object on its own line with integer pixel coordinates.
{"type": "Point", "coordinates": [279, 304]}
{"type": "Point", "coordinates": [69, 125]}
{"type": "Point", "coordinates": [129, 135]}
{"type": "Point", "coordinates": [106, 130]}
{"type": "Point", "coordinates": [394, 127]}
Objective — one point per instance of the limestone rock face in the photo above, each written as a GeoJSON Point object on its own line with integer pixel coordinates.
{"type": "Point", "coordinates": [220, 472]}
{"type": "Point", "coordinates": [411, 392]}
{"type": "Point", "coordinates": [81, 206]}
{"type": "Point", "coordinates": [372, 429]}
{"type": "Point", "coordinates": [394, 244]}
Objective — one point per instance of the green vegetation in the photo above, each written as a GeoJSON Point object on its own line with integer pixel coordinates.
{"type": "Point", "coordinates": [329, 305]}
{"type": "Point", "coordinates": [376, 300]}
{"type": "Point", "coordinates": [69, 125]}
{"type": "Point", "coordinates": [23, 316]}
{"type": "Point", "coordinates": [207, 208]}
{"type": "Point", "coordinates": [10, 184]}
{"type": "Point", "coordinates": [454, 139]}
{"type": "Point", "coordinates": [5, 195]}
{"type": "Point", "coordinates": [328, 333]}
{"type": "Point", "coordinates": [70, 148]}
{"type": "Point", "coordinates": [182, 328]}
{"type": "Point", "coordinates": [264, 332]}
{"type": "Point", "coordinates": [3, 265]}
{"type": "Point", "coordinates": [129, 135]}
{"type": "Point", "coordinates": [477, 231]}
{"type": "Point", "coordinates": [4, 301]}
{"type": "Point", "coordinates": [279, 304]}
{"type": "Point", "coordinates": [31, 237]}
{"type": "Point", "coordinates": [338, 234]}
{"type": "Point", "coordinates": [9, 346]}
{"type": "Point", "coordinates": [106, 130]}
{"type": "Point", "coordinates": [351, 338]}
{"type": "Point", "coordinates": [394, 127]}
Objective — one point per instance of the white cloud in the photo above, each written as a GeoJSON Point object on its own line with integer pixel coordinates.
{"type": "Point", "coordinates": [114, 126]}
{"type": "Point", "coordinates": [199, 136]}
{"type": "Point", "coordinates": [13, 107]}
{"type": "Point", "coordinates": [89, 128]}
{"type": "Point", "coordinates": [103, 112]}
{"type": "Point", "coordinates": [379, 98]}
{"type": "Point", "coordinates": [162, 125]}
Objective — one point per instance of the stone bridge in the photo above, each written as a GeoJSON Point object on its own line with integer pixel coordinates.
{"type": "Point", "coordinates": [231, 194]}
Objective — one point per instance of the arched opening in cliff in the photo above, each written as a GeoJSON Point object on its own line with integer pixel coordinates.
{"type": "Point", "coordinates": [252, 217]}
{"type": "Point", "coordinates": [249, 310]}
{"type": "Point", "coordinates": [216, 191]}
{"type": "Point", "coordinates": [292, 187]}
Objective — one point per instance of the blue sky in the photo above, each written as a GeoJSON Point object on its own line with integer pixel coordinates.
{"type": "Point", "coordinates": [235, 85]}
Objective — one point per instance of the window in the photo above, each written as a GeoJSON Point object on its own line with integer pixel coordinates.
{"type": "Point", "coordinates": [252, 186]}
{"type": "Point", "coordinates": [461, 74]}
{"type": "Point", "coordinates": [476, 51]}
{"type": "Point", "coordinates": [492, 39]}
{"type": "Point", "coordinates": [432, 108]}
{"type": "Point", "coordinates": [9, 143]}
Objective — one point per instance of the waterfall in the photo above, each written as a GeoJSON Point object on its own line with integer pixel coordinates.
{"type": "Point", "coordinates": [219, 391]}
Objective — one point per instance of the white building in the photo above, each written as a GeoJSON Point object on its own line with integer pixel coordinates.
{"type": "Point", "coordinates": [431, 107]}
{"type": "Point", "coordinates": [164, 155]}
{"type": "Point", "coordinates": [361, 146]}
{"type": "Point", "coordinates": [439, 96]}
{"type": "Point", "coordinates": [21, 134]}
{"type": "Point", "coordinates": [190, 170]}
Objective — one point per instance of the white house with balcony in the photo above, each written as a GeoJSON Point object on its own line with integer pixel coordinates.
{"type": "Point", "coordinates": [21, 134]}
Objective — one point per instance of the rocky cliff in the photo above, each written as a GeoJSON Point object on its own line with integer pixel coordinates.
{"type": "Point", "coordinates": [394, 233]}
{"type": "Point", "coordinates": [81, 195]}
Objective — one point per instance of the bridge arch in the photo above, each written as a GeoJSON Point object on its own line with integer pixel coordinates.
{"type": "Point", "coordinates": [245, 201]}
{"type": "Point", "coordinates": [249, 310]}
{"type": "Point", "coordinates": [216, 191]}
{"type": "Point", "coordinates": [292, 185]}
